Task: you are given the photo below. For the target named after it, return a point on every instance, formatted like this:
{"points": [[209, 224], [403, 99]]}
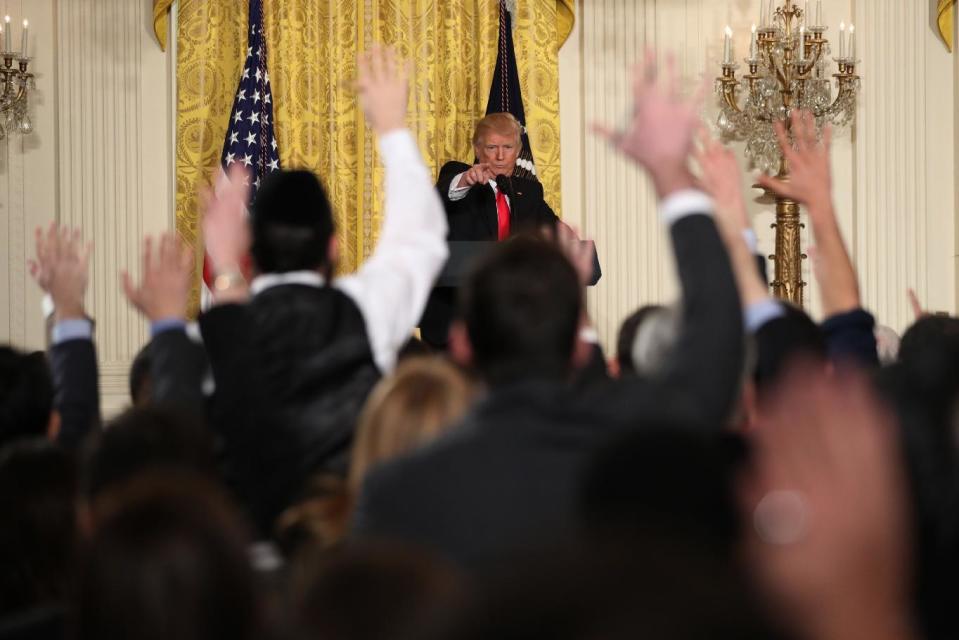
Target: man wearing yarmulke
{"points": [[294, 352]]}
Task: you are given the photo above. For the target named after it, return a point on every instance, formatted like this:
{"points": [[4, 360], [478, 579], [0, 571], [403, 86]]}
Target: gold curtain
{"points": [[312, 54], [945, 12]]}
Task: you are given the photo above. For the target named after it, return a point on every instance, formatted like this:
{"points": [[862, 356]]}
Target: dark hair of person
{"points": [[521, 305], [142, 439], [627, 337], [26, 395], [292, 222], [923, 387], [673, 481], [929, 334], [371, 591], [781, 340], [140, 378], [38, 526], [655, 589], [167, 560]]}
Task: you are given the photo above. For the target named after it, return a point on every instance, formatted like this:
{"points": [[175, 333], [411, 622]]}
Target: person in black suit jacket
{"points": [[471, 194], [508, 478]]}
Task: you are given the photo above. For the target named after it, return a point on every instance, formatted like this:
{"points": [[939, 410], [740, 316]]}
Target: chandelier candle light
{"points": [[788, 69], [15, 82]]}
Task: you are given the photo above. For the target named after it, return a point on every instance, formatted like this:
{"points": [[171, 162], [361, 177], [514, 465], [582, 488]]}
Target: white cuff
{"points": [[457, 193], [749, 237], [685, 203], [759, 313]]}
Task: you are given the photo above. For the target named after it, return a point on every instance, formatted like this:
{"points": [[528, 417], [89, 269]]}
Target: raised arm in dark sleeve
{"points": [[73, 364], [177, 368], [226, 331], [850, 337], [708, 357]]}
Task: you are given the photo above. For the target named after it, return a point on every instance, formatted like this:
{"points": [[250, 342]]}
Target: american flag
{"points": [[504, 93], [250, 139]]}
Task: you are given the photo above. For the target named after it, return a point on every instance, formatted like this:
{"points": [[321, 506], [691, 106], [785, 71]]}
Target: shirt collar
{"points": [[269, 280]]}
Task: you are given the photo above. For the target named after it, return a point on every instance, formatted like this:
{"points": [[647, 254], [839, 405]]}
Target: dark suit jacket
{"points": [[474, 217], [73, 365], [292, 369], [177, 367], [509, 476]]}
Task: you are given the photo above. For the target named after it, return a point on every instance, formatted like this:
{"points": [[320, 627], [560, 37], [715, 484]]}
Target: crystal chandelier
{"points": [[15, 83], [788, 69]]}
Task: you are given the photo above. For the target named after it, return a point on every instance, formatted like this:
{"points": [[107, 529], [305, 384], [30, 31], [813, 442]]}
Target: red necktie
{"points": [[502, 215]]}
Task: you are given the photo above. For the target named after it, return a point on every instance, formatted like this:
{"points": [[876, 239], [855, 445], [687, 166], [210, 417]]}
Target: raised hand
{"points": [[166, 275], [720, 177], [917, 311], [477, 174], [61, 269], [226, 230], [810, 183], [828, 502], [660, 135], [580, 254], [810, 176], [382, 82]]}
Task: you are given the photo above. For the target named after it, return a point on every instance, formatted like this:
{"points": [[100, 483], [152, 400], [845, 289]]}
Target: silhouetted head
{"points": [[26, 396], [167, 560], [144, 439], [368, 592], [521, 309], [38, 525], [292, 224]]}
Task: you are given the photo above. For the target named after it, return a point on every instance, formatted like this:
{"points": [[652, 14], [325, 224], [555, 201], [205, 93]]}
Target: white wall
{"points": [[895, 173], [101, 159]]}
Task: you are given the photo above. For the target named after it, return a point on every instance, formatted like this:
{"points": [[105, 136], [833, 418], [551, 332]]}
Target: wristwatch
{"points": [[228, 279]]}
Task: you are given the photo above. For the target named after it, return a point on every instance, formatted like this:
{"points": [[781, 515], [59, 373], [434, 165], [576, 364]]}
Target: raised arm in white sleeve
{"points": [[392, 286]]}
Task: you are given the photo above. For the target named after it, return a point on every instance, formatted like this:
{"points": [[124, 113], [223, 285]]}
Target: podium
{"points": [[435, 323], [463, 254]]}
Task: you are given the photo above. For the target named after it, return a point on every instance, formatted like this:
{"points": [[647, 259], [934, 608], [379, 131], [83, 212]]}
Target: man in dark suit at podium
{"points": [[485, 202]]}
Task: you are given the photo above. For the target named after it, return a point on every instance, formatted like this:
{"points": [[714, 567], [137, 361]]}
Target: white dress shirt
{"points": [[392, 286]]}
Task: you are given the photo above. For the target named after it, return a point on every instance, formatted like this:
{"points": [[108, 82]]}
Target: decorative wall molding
{"points": [[904, 162], [114, 159]]}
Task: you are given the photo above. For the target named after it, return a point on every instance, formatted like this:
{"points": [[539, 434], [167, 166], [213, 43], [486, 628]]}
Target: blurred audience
{"points": [[752, 473], [373, 592], [421, 400], [508, 476], [167, 560], [38, 538]]}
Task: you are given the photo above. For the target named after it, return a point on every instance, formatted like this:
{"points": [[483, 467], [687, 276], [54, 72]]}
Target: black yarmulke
{"points": [[293, 198]]}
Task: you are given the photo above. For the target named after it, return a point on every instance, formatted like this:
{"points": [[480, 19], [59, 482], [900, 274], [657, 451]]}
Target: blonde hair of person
{"points": [[504, 124], [406, 410]]}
